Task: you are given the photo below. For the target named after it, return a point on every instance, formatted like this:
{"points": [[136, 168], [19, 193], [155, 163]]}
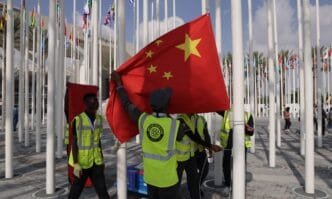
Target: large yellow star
{"points": [[168, 75], [149, 54], [189, 47], [152, 69], [158, 42]]}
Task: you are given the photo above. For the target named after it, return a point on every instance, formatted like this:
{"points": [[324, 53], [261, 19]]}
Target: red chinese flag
{"points": [[184, 59]]}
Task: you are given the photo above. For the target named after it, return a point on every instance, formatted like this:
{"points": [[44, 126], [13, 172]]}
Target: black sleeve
{"points": [[251, 124], [131, 109], [73, 127], [182, 131], [194, 136], [207, 137]]}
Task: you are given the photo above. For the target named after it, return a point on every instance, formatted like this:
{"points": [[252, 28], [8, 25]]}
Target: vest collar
{"points": [[159, 114]]}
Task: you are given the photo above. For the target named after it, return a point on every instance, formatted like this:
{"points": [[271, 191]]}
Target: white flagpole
{"points": [[33, 84], [38, 88], [137, 25], [276, 50], [251, 71], [238, 108], [293, 90], [60, 84], [301, 65], [115, 43], [50, 100], [153, 35], [174, 13], [3, 86], [158, 17], [271, 85], [76, 67], [121, 153], [218, 156], [95, 33], [21, 76], [319, 80], [166, 15], [26, 101], [145, 22], [309, 155], [9, 91], [100, 66]]}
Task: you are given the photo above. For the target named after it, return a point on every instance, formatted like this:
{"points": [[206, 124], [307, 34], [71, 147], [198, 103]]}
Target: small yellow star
{"points": [[152, 69], [168, 75], [158, 42], [189, 47], [149, 54]]}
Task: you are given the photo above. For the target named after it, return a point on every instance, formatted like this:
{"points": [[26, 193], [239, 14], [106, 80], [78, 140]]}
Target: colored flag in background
{"points": [[33, 19], [185, 59], [108, 18]]}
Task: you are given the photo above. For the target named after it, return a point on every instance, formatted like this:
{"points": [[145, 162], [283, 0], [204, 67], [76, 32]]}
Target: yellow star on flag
{"points": [[158, 42], [168, 75], [152, 69], [149, 54], [189, 47]]}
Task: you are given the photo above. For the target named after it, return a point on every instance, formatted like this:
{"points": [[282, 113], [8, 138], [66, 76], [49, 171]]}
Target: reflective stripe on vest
{"points": [[88, 139], [226, 128], [158, 147], [200, 125], [67, 134]]}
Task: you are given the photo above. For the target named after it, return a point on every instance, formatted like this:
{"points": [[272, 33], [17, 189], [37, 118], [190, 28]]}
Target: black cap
{"points": [[159, 99]]}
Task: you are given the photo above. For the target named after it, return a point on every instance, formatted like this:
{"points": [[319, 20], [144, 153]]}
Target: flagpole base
{"points": [[300, 191], [57, 193]]}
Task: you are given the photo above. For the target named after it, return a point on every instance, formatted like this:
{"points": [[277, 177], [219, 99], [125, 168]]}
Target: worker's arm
{"points": [[249, 127], [74, 143], [131, 109], [207, 137], [194, 136]]}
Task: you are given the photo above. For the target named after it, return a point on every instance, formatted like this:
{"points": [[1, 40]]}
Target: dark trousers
{"points": [[172, 192], [287, 123], [201, 159], [190, 166], [227, 166], [96, 174]]}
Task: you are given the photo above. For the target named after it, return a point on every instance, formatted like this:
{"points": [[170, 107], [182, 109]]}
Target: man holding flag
{"points": [[173, 74]]}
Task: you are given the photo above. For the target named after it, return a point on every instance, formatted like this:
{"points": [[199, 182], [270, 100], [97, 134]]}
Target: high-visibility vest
{"points": [[200, 124], [158, 136], [88, 139], [184, 147], [67, 134], [226, 128]]}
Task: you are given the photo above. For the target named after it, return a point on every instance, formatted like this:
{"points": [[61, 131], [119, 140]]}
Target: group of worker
{"points": [[169, 146]]}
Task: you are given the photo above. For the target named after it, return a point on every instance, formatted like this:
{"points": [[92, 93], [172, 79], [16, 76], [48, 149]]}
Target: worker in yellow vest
{"points": [[226, 139], [86, 155], [159, 133], [186, 154]]}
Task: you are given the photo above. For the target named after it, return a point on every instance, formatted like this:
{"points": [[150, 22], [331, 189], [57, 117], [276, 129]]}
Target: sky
{"points": [[187, 10]]}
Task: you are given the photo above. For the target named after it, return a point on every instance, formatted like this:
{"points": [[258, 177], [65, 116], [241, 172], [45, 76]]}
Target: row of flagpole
{"points": [[56, 48]]}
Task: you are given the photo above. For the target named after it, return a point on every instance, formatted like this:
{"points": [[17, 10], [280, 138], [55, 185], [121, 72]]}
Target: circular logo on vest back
{"points": [[155, 132]]}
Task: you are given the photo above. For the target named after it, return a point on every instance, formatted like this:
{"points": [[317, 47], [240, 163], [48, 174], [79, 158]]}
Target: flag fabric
{"points": [[132, 3], [108, 18], [87, 7], [292, 61], [33, 19], [186, 60], [85, 23]]}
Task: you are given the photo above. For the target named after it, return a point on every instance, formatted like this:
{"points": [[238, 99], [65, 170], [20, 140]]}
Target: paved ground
{"points": [[264, 182]]}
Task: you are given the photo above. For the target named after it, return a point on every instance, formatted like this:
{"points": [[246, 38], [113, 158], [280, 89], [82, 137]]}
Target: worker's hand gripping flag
{"points": [[184, 59]]}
